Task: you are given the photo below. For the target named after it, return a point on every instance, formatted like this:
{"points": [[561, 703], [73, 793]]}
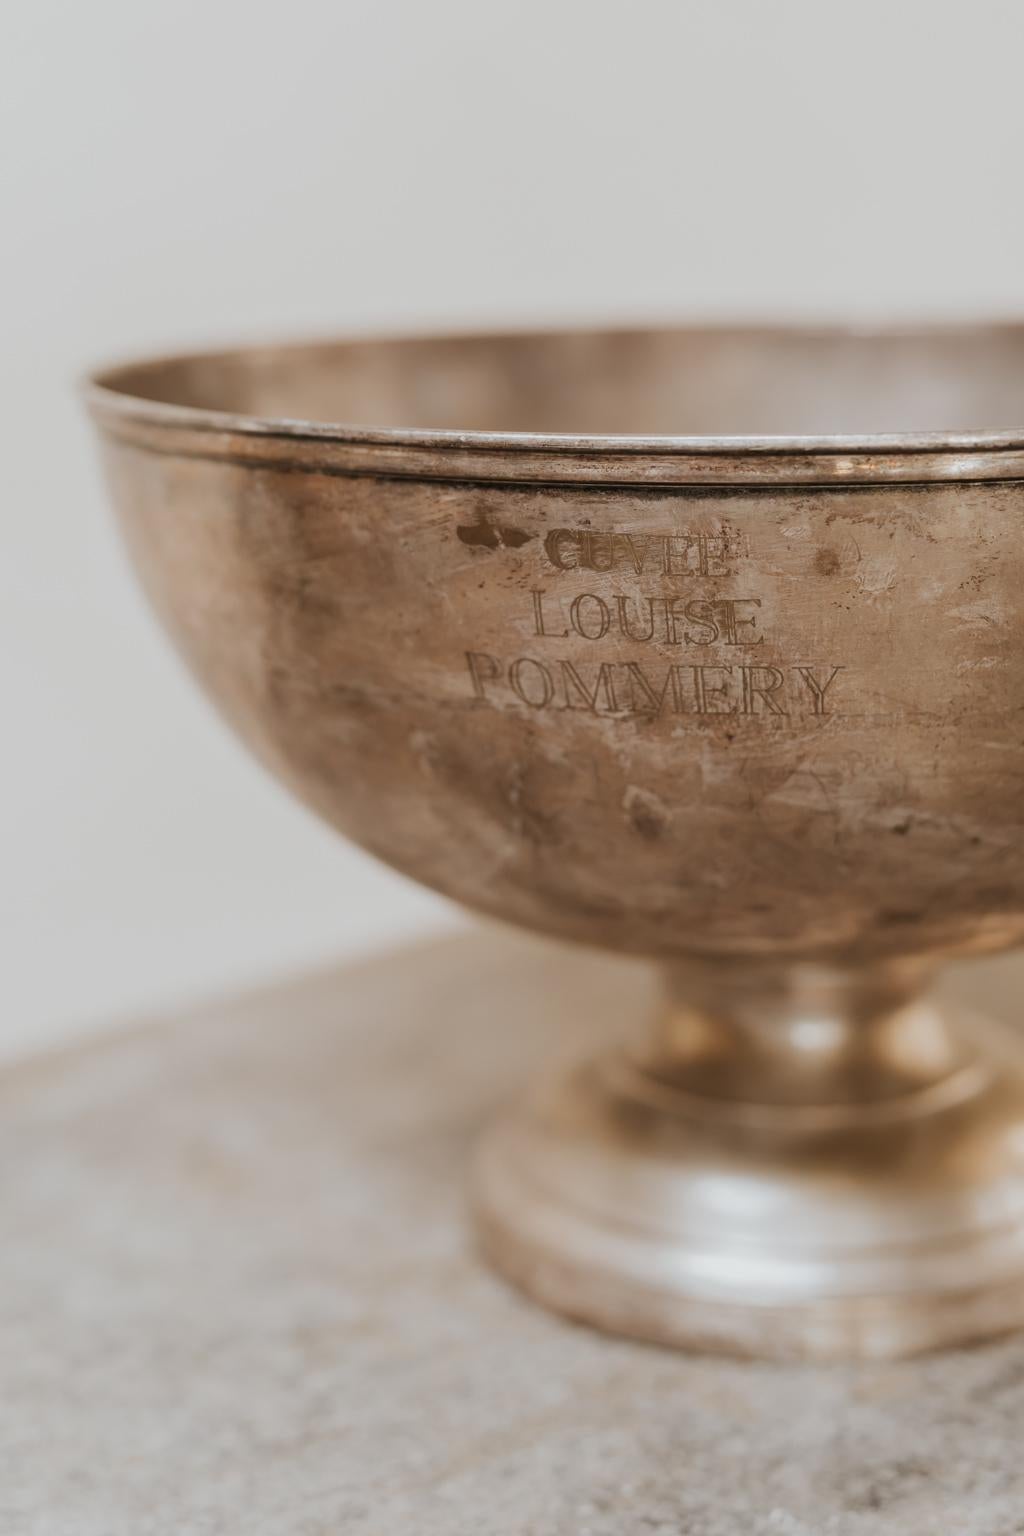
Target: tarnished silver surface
{"points": [[738, 699]]}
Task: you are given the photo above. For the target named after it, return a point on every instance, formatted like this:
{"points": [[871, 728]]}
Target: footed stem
{"points": [[800, 1033]]}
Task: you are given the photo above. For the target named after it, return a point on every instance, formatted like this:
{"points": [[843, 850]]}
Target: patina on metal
{"points": [[541, 629]]}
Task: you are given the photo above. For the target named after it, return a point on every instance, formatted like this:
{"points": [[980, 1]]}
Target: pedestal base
{"points": [[867, 1226]]}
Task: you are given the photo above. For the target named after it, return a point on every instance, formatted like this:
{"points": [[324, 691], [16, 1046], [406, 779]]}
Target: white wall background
{"points": [[180, 173]]}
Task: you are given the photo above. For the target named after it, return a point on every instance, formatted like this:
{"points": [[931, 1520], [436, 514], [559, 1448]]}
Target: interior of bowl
{"points": [[684, 382]]}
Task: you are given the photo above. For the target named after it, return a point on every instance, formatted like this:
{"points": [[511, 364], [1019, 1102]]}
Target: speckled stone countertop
{"points": [[237, 1295]]}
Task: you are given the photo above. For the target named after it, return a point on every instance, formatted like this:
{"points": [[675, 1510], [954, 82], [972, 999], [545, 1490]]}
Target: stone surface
{"points": [[238, 1295]]}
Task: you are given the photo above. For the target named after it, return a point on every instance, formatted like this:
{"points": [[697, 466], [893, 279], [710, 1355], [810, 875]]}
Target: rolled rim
{"points": [[192, 431]]}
